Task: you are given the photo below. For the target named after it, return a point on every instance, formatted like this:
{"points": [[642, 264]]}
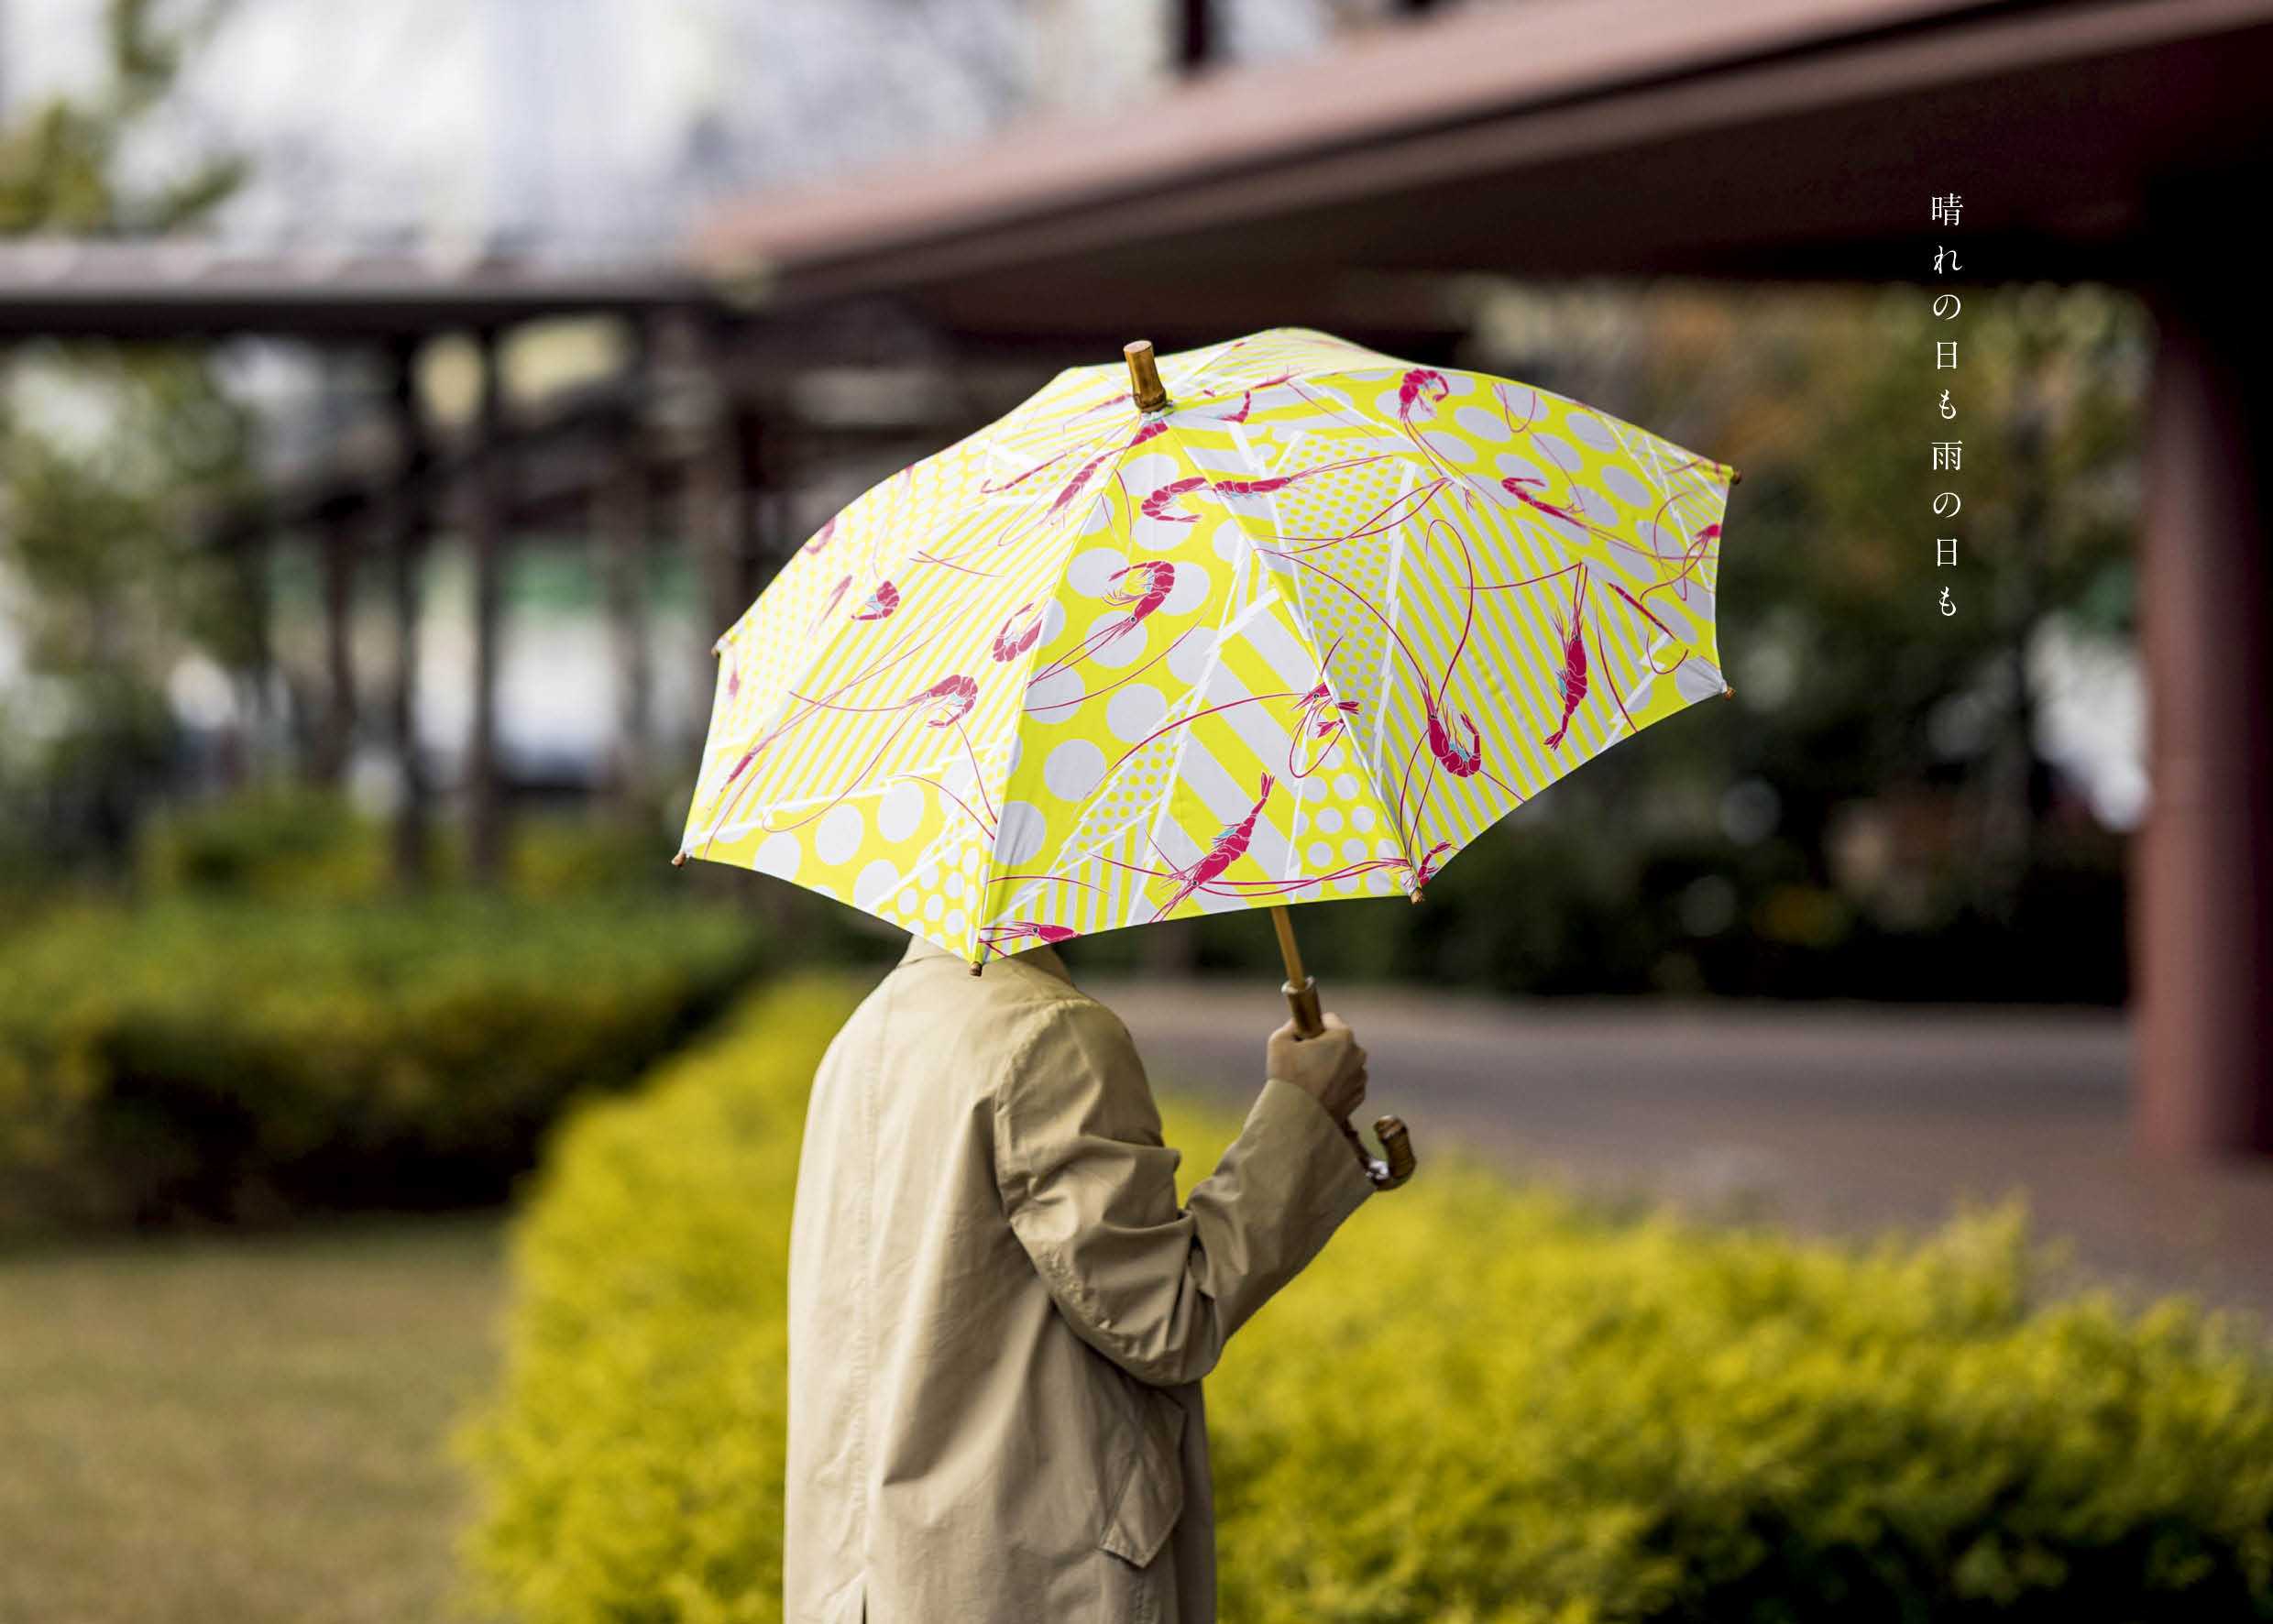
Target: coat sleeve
{"points": [[1091, 1194]]}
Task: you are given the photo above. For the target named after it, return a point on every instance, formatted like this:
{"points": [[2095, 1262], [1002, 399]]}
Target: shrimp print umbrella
{"points": [[1297, 627]]}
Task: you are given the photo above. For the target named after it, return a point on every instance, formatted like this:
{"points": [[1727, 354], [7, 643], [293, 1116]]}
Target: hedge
{"points": [[297, 845], [240, 1059], [1484, 1403]]}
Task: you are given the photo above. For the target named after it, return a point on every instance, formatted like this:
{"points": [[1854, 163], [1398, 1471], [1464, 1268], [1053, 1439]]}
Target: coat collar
{"points": [[1041, 956]]}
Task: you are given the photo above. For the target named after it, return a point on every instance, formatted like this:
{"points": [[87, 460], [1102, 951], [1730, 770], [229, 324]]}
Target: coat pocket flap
{"points": [[1153, 1498]]}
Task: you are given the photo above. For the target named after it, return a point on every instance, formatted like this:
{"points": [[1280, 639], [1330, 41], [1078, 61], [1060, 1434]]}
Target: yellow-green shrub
{"points": [[1482, 1404], [285, 844], [240, 1059], [632, 1461], [296, 845]]}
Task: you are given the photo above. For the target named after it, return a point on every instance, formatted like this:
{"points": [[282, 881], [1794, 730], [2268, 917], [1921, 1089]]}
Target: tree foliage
{"points": [[105, 449], [1872, 815]]}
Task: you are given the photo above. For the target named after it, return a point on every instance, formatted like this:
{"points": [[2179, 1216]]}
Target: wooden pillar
{"points": [[716, 512], [620, 522], [336, 743], [1192, 42], [404, 516], [2202, 914], [485, 811]]}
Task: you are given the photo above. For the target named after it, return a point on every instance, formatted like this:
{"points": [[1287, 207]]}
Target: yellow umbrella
{"points": [[1298, 625]]}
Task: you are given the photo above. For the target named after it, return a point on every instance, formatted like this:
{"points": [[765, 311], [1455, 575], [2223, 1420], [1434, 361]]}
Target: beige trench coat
{"points": [[999, 1315]]}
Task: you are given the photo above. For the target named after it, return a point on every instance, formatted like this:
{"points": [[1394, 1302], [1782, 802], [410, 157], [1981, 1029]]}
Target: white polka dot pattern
{"points": [[1302, 635]]}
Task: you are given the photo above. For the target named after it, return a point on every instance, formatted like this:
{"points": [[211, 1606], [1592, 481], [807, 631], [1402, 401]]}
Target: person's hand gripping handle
{"points": [[1318, 1054]]}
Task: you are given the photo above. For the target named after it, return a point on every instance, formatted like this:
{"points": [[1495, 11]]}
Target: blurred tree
{"points": [[1879, 776], [60, 167], [1871, 816], [101, 447]]}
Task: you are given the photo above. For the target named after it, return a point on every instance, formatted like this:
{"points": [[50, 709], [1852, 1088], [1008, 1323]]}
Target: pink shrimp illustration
{"points": [[1144, 587], [742, 763], [823, 536], [1644, 608], [1079, 482], [1141, 589], [828, 605], [1229, 846], [1573, 636], [880, 603], [998, 938], [943, 704], [1157, 504], [1514, 486], [951, 698], [1246, 397], [1460, 761], [1426, 870], [1276, 482], [1322, 713], [1018, 632], [1419, 392]]}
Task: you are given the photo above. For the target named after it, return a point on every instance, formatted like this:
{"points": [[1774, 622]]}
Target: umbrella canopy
{"points": [[1301, 632]]}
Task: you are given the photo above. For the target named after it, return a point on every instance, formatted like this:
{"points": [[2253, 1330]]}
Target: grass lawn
{"points": [[241, 1431]]}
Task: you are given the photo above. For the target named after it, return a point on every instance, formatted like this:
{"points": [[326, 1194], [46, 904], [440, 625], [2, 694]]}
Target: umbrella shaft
{"points": [[1288, 950], [1301, 991]]}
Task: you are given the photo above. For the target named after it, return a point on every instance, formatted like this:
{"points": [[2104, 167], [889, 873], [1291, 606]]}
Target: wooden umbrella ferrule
{"points": [[1145, 387]]}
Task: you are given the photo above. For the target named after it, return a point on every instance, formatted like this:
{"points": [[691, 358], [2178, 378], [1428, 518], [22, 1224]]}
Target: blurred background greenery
{"points": [[236, 1048], [1894, 805]]}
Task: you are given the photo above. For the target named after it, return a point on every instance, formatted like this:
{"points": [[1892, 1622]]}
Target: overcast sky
{"points": [[595, 125]]}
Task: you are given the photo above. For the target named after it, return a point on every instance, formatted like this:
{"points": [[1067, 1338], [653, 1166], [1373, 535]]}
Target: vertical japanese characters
{"points": [[1948, 456]]}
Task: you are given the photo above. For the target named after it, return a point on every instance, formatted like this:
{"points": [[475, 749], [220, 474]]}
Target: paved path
{"points": [[1843, 1117]]}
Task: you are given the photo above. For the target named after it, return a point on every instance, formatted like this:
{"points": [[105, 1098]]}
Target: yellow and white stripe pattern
{"points": [[1302, 634]]}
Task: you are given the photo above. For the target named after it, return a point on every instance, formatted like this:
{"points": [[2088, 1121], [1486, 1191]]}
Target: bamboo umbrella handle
{"points": [[1397, 1161]]}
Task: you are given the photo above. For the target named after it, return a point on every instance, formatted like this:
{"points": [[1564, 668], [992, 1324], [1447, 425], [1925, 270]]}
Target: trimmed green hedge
{"points": [[1482, 1404], [244, 1059], [294, 845]]}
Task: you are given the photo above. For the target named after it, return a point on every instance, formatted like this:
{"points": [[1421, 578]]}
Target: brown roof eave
{"points": [[1429, 73], [1509, 91]]}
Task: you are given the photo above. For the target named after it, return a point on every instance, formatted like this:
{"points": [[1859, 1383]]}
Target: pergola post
{"points": [[335, 744], [485, 812], [715, 513], [2201, 913], [402, 511], [620, 520]]}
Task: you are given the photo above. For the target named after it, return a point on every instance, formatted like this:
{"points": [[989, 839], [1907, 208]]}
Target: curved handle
{"points": [[1398, 1160]]}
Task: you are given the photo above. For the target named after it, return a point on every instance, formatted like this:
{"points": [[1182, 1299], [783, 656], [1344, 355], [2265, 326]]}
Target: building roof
{"points": [[1774, 137], [187, 288], [1555, 137]]}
